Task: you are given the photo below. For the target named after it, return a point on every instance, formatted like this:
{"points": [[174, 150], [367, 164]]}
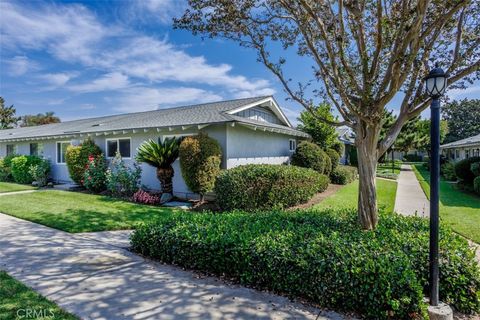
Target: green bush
{"points": [[6, 168], [263, 186], [448, 171], [21, 168], [338, 146], [121, 180], [476, 185], [334, 158], [344, 174], [475, 168], [309, 155], [76, 158], [413, 158], [462, 169], [95, 174], [353, 157], [323, 257], [40, 172], [200, 159]]}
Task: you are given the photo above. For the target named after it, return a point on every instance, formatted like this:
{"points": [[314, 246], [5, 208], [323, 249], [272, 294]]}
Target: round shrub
{"points": [[309, 155], [264, 186], [343, 175], [40, 172], [338, 146], [21, 168], [476, 185], [200, 160], [334, 157], [76, 158], [448, 171], [321, 256], [463, 171], [475, 168]]}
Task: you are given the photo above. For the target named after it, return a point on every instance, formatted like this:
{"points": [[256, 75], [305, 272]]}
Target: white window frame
{"points": [[290, 141], [118, 146], [61, 150]]}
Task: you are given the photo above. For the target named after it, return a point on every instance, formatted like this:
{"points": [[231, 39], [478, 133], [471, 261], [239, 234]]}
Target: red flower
{"points": [[90, 158]]}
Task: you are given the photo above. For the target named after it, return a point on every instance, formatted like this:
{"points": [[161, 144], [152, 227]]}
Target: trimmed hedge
{"points": [[448, 171], [334, 158], [20, 166], [265, 186], [309, 155], [463, 171], [323, 257], [343, 175]]}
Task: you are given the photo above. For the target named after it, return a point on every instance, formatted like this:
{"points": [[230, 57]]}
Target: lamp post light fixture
{"points": [[436, 83], [393, 159]]}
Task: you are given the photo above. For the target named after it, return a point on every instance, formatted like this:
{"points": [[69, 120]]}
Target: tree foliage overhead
{"points": [[361, 53], [31, 120], [8, 119], [463, 119], [323, 134]]}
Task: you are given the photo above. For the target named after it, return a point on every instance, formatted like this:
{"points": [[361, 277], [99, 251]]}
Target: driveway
{"points": [[95, 279]]}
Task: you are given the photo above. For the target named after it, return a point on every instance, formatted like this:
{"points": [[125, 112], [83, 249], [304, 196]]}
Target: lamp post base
{"points": [[440, 312]]}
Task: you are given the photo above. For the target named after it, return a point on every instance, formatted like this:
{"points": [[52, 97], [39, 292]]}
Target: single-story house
{"points": [[462, 149], [251, 130]]}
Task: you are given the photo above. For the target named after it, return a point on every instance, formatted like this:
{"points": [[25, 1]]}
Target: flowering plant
{"points": [[123, 180], [94, 176], [142, 196]]}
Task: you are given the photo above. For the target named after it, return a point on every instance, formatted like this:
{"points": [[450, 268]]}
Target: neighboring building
{"points": [[252, 130], [347, 137], [462, 149]]}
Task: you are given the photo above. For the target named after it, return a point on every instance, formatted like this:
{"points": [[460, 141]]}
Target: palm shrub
{"points": [[77, 158], [160, 155], [200, 159]]}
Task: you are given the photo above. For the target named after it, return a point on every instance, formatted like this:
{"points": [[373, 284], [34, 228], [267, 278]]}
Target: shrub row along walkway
{"points": [[98, 280], [410, 199]]}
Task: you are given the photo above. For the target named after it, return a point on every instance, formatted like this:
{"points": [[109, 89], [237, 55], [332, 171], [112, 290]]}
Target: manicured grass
{"points": [[17, 301], [11, 187], [79, 212], [347, 196], [387, 167], [458, 209]]}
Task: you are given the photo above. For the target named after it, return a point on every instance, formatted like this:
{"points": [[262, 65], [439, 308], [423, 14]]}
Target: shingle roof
{"points": [[475, 140], [207, 113]]}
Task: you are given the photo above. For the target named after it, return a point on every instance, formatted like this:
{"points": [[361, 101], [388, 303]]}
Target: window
{"points": [[11, 149], [457, 154], [477, 152], [467, 154], [61, 150], [121, 145], [293, 145], [36, 149]]}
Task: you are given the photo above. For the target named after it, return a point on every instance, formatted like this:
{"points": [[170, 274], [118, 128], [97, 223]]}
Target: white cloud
{"points": [[110, 81], [459, 94], [56, 80], [87, 106], [19, 65], [161, 11], [144, 99]]}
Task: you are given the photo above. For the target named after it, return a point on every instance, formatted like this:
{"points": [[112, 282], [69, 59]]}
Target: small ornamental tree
{"points": [[77, 158], [94, 176], [362, 55], [200, 159]]}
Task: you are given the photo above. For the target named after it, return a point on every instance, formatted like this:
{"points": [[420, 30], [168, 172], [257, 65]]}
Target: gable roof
{"points": [[470, 141], [345, 135], [198, 114]]}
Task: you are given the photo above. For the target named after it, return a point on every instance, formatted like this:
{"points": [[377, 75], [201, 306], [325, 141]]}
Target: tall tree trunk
{"points": [[366, 141], [165, 176]]}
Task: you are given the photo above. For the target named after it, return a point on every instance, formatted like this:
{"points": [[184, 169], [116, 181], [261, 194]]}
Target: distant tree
{"points": [[31, 120], [463, 119], [8, 118], [422, 141], [323, 134]]}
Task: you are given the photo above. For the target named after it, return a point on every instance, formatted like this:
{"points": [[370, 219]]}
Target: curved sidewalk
{"points": [[97, 280], [410, 199]]}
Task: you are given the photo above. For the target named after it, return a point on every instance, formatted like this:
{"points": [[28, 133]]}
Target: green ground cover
{"points": [[11, 187]]}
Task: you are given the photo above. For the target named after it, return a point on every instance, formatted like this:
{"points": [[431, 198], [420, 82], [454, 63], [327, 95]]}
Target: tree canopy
{"points": [[31, 120], [323, 134], [463, 119], [362, 54], [8, 118]]}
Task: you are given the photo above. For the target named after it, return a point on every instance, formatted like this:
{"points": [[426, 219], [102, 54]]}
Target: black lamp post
{"points": [[393, 159], [436, 83]]}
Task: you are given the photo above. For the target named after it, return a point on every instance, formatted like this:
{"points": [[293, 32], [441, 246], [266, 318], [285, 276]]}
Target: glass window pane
{"points": [[59, 152], [34, 149], [111, 148], [124, 147], [10, 149]]}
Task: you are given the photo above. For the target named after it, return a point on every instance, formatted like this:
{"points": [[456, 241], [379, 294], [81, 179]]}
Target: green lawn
{"points": [[458, 209], [16, 300], [79, 212], [347, 196], [11, 187], [387, 167]]}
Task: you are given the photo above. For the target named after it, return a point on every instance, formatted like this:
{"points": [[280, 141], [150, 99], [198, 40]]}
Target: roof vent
{"points": [[72, 131], [97, 124]]}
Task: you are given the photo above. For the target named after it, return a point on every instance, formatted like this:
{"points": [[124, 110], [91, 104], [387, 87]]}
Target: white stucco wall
{"points": [[245, 146]]}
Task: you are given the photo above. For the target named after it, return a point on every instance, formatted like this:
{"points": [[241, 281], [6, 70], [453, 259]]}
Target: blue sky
{"points": [[91, 58]]}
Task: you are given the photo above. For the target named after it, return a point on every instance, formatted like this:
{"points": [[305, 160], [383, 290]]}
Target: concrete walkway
{"points": [[97, 280], [410, 199], [16, 192]]}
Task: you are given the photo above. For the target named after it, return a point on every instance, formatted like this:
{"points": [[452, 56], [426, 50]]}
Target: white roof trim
{"points": [[272, 105]]}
